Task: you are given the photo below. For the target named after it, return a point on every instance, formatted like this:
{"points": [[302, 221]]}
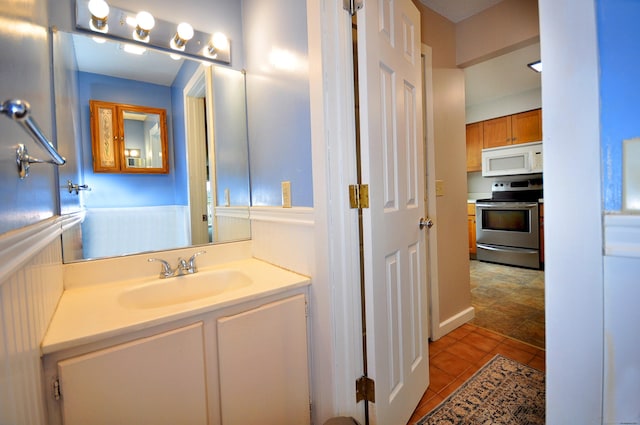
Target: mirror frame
{"points": [[118, 164]]}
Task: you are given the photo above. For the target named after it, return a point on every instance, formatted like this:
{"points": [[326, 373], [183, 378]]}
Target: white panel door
{"points": [[156, 380], [394, 245]]}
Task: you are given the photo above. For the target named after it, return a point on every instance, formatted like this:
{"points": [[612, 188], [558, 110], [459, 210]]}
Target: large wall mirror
{"points": [[204, 195]]}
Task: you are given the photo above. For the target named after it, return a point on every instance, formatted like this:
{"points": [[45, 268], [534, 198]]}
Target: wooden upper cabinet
{"points": [[474, 146], [497, 132], [128, 138], [526, 127]]}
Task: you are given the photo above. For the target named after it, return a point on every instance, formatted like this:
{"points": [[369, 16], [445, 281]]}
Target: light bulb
{"points": [[144, 24], [184, 34], [185, 31], [99, 10], [145, 21], [220, 41]]}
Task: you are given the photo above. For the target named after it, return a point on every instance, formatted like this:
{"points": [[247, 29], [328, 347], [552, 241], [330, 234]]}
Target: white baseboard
{"points": [[453, 323]]}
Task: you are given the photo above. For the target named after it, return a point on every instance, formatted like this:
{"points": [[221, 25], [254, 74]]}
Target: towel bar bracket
{"points": [[24, 161], [19, 111]]}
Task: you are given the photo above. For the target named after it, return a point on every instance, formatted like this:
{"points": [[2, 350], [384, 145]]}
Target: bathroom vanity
{"points": [[233, 357]]}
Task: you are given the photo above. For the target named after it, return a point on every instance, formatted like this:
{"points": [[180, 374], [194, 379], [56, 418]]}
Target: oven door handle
{"points": [[501, 249], [503, 205]]}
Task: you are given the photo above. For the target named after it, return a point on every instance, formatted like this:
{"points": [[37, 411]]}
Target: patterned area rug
{"points": [[502, 392]]}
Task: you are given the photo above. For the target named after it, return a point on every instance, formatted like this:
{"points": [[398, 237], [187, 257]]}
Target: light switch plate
{"points": [[227, 198], [439, 187], [286, 194]]}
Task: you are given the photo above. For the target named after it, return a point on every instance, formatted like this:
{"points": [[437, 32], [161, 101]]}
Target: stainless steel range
{"points": [[507, 225]]}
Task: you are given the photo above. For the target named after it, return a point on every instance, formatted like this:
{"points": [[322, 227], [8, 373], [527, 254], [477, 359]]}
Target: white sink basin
{"points": [[182, 289]]}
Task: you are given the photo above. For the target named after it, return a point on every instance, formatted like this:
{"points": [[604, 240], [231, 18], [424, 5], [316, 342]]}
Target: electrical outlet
{"points": [[286, 194], [227, 198], [439, 187]]}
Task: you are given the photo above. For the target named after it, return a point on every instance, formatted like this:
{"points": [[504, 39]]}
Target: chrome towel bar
{"points": [[19, 111]]}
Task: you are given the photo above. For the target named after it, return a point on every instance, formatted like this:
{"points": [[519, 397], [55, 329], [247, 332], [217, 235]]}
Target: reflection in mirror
{"points": [[128, 138], [204, 196]]}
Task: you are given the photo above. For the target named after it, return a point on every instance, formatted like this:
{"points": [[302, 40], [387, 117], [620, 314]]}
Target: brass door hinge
{"points": [[365, 389], [359, 195]]}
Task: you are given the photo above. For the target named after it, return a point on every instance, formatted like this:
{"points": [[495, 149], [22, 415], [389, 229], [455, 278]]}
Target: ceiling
{"points": [[498, 77], [458, 10], [502, 76], [109, 58]]}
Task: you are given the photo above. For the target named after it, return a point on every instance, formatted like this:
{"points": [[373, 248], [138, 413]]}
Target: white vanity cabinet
{"points": [[155, 380], [263, 365], [243, 364]]}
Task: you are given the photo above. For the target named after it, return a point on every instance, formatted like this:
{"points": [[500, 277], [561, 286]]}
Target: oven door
{"points": [[511, 224]]}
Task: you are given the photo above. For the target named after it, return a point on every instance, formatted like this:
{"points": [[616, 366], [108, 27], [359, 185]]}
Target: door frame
{"points": [[199, 86], [430, 188], [335, 295]]}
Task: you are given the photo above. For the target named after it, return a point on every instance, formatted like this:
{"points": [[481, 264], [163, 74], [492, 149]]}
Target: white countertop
{"points": [[91, 313]]}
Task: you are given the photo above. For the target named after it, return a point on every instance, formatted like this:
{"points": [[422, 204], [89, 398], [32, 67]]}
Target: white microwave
{"points": [[512, 160]]}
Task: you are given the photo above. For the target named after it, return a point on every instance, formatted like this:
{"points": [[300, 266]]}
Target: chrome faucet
{"points": [[184, 266]]}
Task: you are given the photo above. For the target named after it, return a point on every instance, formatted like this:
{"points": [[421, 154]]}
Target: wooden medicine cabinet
{"points": [[128, 138]]}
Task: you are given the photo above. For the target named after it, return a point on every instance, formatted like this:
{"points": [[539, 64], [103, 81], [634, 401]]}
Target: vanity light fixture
{"points": [[536, 66], [144, 25], [144, 30], [183, 35], [99, 10]]}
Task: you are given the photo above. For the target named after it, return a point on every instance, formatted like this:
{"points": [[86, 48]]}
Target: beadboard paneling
{"points": [[284, 237], [28, 298], [108, 232]]}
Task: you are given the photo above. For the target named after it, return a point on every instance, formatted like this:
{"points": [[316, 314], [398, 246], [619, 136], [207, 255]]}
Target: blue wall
{"points": [[278, 106], [618, 44], [125, 190]]}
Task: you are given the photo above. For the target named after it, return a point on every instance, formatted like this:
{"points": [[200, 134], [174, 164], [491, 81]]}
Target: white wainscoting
{"points": [[232, 223], [621, 318], [108, 232], [284, 237], [30, 288]]}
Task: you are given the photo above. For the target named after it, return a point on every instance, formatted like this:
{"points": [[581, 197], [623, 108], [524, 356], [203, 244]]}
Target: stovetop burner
{"points": [[516, 191]]}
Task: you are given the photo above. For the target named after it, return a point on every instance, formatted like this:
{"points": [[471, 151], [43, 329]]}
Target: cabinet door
{"points": [[471, 224], [497, 132], [262, 356], [474, 146], [155, 380], [527, 126], [105, 137]]}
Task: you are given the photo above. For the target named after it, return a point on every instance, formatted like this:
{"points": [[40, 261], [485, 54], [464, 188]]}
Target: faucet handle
{"points": [[192, 261], [166, 267]]}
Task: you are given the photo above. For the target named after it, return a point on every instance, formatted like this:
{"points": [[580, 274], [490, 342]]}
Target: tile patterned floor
{"points": [[459, 354], [509, 300]]}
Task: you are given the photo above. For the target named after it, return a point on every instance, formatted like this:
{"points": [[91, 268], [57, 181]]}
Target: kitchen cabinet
{"points": [[526, 127], [474, 146], [513, 129], [205, 369], [471, 222], [523, 127]]}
